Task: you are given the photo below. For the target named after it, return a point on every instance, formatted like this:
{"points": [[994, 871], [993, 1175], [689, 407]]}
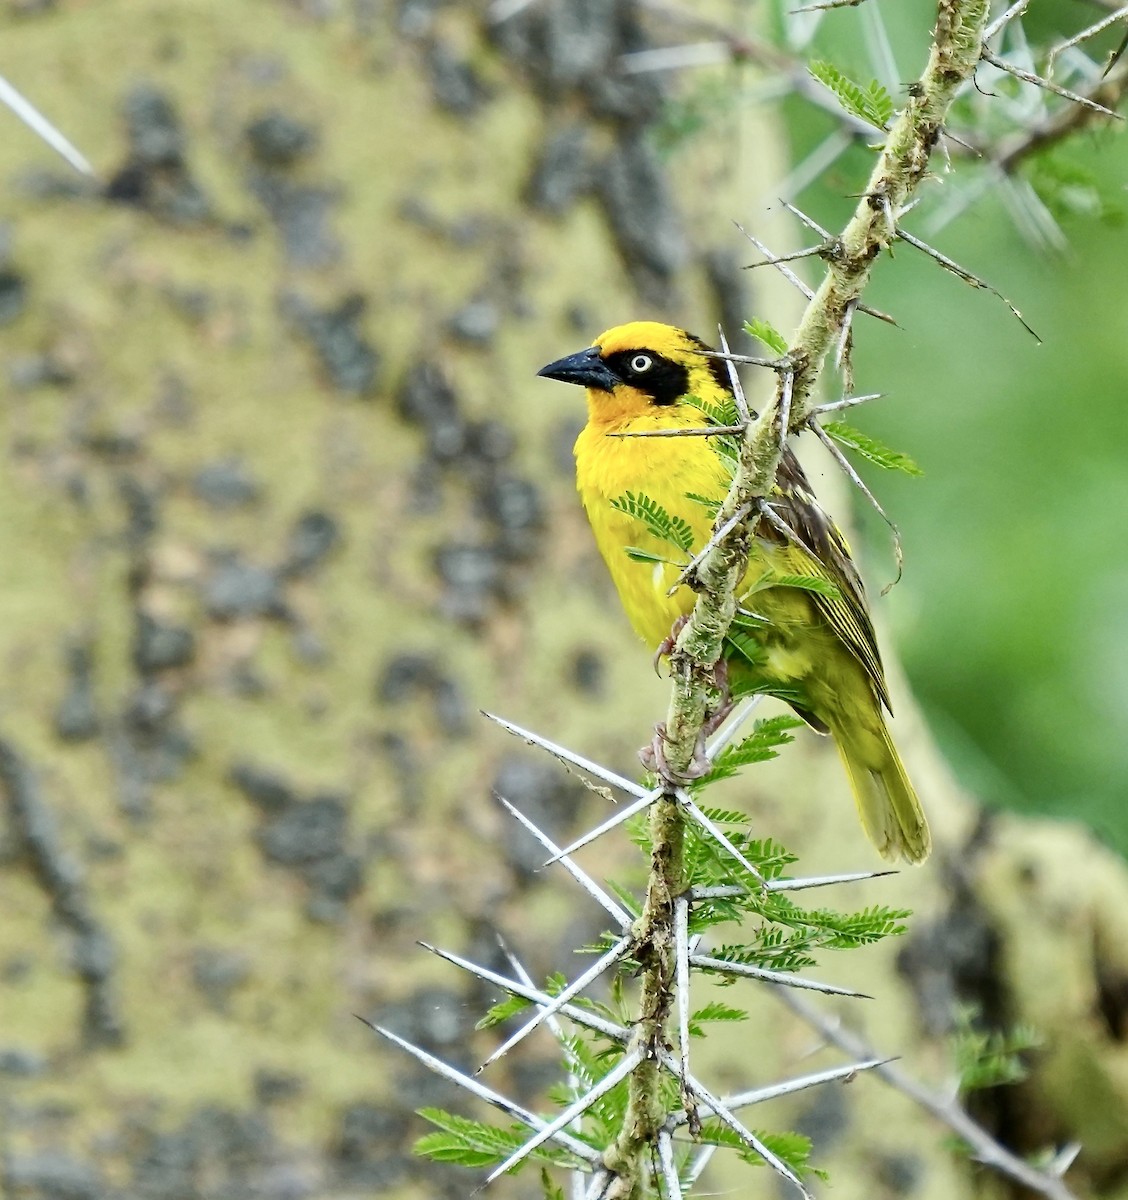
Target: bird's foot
{"points": [[654, 759], [725, 703], [666, 646]]}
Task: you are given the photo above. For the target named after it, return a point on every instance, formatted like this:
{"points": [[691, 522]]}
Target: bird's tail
{"points": [[891, 813]]}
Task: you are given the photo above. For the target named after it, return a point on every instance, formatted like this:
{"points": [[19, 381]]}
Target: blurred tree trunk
{"points": [[284, 506]]}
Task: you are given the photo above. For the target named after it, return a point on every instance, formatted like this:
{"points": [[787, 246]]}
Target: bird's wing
{"points": [[822, 551]]}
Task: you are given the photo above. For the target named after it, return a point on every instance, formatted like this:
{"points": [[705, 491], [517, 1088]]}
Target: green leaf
{"points": [[475, 1144], [808, 583], [445, 1147], [725, 816], [775, 949], [871, 103], [551, 1191], [745, 644], [659, 523], [725, 446], [769, 856], [719, 1012], [990, 1058], [793, 1148], [503, 1010], [871, 449], [845, 931], [588, 1059], [710, 505], [626, 898], [762, 744], [722, 413], [768, 334], [818, 584], [644, 556]]}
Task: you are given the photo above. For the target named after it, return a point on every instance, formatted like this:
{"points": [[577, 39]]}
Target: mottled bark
{"points": [[283, 506]]}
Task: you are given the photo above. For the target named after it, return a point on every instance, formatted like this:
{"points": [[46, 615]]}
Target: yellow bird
{"points": [[802, 632]]}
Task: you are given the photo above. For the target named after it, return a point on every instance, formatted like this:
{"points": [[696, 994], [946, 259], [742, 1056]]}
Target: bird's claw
{"points": [[666, 646], [654, 759]]}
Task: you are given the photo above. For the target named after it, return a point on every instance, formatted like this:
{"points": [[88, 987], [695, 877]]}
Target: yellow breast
{"points": [[666, 470]]}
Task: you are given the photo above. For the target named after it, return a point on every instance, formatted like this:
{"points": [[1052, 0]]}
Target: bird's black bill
{"points": [[585, 368]]}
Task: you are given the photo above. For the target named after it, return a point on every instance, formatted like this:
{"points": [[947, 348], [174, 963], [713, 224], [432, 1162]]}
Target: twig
{"points": [[774, 260], [669, 1168], [790, 1086], [567, 1048], [556, 1128], [723, 891], [599, 1185], [951, 265], [1005, 18], [738, 396], [749, 360], [842, 355], [715, 746], [787, 1087], [718, 835], [618, 951], [810, 222], [783, 529], [827, 5], [901, 165], [831, 248], [786, 389], [1048, 85], [723, 967], [847, 467], [778, 263], [1118, 14], [624, 814], [727, 1117], [618, 913], [986, 1149], [581, 1016], [714, 541], [743, 47], [681, 954], [566, 756], [509, 1107], [1061, 125], [846, 402], [704, 431]]}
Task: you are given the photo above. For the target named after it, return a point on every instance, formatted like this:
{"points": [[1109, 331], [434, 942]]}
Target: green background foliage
{"points": [[1011, 615]]}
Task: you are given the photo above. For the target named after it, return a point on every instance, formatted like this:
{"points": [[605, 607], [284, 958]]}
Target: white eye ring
{"points": [[641, 363]]}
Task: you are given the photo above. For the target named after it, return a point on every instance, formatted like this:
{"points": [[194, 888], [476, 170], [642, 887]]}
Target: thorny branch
{"points": [[949, 1111], [659, 940], [1108, 93], [901, 166], [1100, 97]]}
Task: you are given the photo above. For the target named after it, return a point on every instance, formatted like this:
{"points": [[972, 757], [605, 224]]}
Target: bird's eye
{"points": [[641, 363]]}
